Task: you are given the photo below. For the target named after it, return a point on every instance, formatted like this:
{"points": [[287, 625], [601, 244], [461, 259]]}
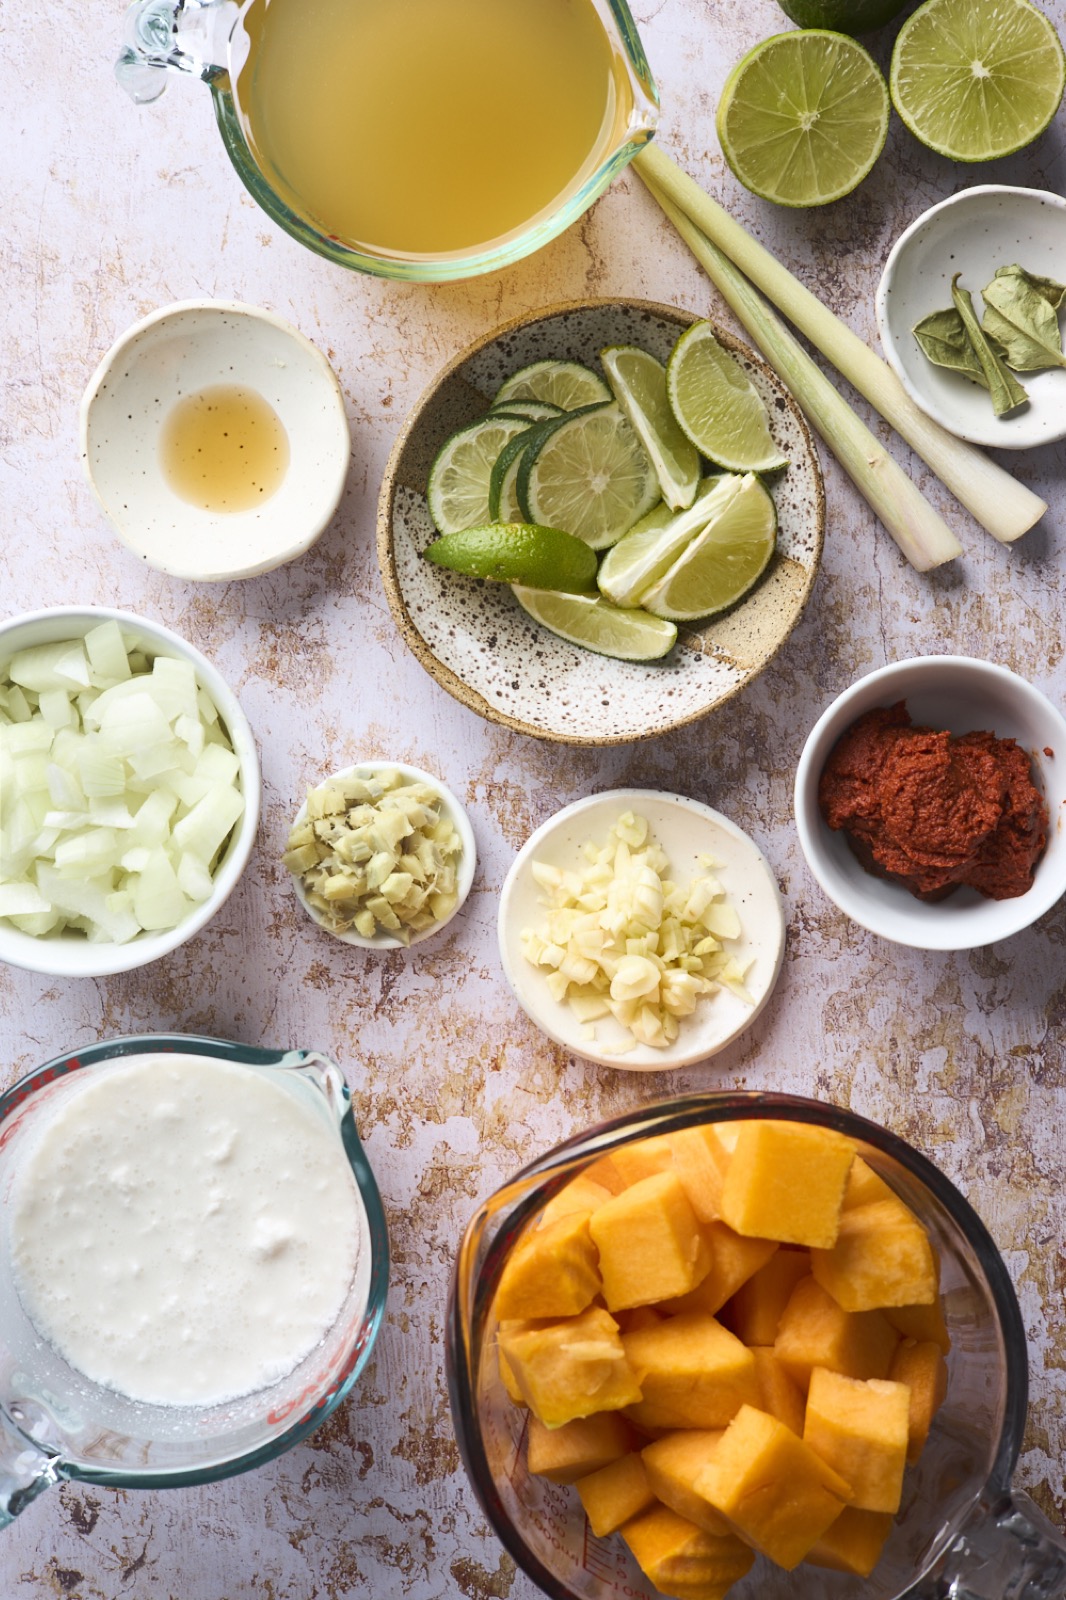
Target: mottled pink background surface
{"points": [[111, 211]]}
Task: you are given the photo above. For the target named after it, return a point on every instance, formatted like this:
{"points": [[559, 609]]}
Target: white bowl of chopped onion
{"points": [[131, 791], [641, 930], [382, 855]]}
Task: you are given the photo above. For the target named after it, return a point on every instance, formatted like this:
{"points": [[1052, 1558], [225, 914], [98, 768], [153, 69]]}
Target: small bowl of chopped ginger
{"points": [[641, 930], [382, 855]]}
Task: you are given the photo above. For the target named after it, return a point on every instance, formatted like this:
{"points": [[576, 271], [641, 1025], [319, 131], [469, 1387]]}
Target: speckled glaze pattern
{"points": [[474, 638]]}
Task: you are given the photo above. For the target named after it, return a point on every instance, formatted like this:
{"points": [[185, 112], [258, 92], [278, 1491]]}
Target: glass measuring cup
{"points": [[207, 38], [963, 1532], [55, 1423]]}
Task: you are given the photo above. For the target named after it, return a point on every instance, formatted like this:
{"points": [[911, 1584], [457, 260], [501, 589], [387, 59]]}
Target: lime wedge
{"points": [[803, 116], [721, 563], [595, 625], [650, 549], [559, 383], [717, 405], [516, 552], [535, 410], [639, 384], [459, 479], [590, 476], [975, 81]]}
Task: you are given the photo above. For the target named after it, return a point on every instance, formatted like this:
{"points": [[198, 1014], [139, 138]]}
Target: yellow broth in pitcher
{"points": [[428, 128]]}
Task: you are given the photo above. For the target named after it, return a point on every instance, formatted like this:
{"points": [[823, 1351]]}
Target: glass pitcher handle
{"points": [[1011, 1553], [174, 35], [25, 1470]]}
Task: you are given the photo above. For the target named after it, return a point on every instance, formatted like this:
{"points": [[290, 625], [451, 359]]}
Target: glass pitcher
{"points": [[963, 1532], [422, 141], [55, 1423]]}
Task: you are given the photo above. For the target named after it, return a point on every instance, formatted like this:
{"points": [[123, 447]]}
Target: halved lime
{"points": [[845, 16], [515, 552], [650, 549], [803, 116], [717, 405], [721, 563], [639, 384], [591, 476], [458, 489], [977, 79], [595, 625], [559, 383]]}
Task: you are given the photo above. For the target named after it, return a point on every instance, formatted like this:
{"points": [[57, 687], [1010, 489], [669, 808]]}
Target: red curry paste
{"points": [[933, 811]]}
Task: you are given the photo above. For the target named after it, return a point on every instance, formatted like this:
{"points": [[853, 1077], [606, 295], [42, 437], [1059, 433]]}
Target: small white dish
{"points": [[960, 695], [72, 955], [974, 233], [685, 830], [178, 351], [467, 865]]}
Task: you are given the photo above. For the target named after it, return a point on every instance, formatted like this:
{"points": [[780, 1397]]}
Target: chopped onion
{"points": [[118, 789]]}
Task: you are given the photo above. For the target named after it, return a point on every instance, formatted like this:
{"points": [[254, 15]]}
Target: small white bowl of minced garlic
{"points": [[382, 855]]}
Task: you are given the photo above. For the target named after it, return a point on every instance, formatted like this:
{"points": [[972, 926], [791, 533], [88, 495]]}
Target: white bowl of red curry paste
{"points": [[931, 803]]}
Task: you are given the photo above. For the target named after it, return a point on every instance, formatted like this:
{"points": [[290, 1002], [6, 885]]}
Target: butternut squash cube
{"points": [[925, 1372], [577, 1448], [693, 1372], [615, 1494], [570, 1368], [649, 1243], [786, 1182], [683, 1560], [815, 1332], [882, 1257], [772, 1488], [778, 1395], [853, 1543], [552, 1272], [864, 1186], [582, 1194], [861, 1429], [673, 1464], [605, 1173], [507, 1377], [921, 1323], [642, 1159], [700, 1161], [757, 1305], [733, 1261]]}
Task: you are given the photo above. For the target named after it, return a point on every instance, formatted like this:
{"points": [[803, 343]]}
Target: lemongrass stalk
{"points": [[919, 530], [1002, 505]]}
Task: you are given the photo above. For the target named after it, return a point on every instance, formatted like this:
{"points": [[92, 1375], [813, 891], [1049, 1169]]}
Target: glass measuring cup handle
{"points": [[174, 35], [1008, 1551], [26, 1470]]}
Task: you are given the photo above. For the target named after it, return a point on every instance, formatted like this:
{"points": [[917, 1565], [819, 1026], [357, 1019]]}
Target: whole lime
{"points": [[844, 16]]}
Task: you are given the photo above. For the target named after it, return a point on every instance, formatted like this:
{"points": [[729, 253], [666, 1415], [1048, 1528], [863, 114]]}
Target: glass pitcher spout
{"points": [[174, 35]]}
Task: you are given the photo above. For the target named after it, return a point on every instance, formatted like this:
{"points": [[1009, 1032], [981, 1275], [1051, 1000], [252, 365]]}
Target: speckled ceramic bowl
{"points": [[473, 638]]}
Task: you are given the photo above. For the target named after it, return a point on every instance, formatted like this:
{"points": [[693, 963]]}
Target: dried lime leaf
{"points": [[1021, 318], [1007, 393], [944, 340]]}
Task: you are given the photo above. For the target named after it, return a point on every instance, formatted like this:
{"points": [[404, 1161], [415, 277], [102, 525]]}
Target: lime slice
{"points": [[846, 16], [559, 383], [977, 81], [650, 549], [592, 623], [590, 476], [717, 405], [723, 562], [803, 117], [516, 552], [458, 490], [535, 410], [639, 384]]}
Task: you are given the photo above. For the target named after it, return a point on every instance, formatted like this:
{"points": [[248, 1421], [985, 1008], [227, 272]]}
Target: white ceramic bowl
{"points": [[178, 351], [467, 865], [70, 955], [685, 830], [960, 695], [974, 233]]}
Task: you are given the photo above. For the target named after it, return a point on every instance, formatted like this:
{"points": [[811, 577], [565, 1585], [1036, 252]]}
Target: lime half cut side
{"points": [[718, 406], [595, 625], [639, 384], [558, 383], [803, 117], [459, 479], [543, 558], [977, 79], [591, 476], [722, 562]]}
